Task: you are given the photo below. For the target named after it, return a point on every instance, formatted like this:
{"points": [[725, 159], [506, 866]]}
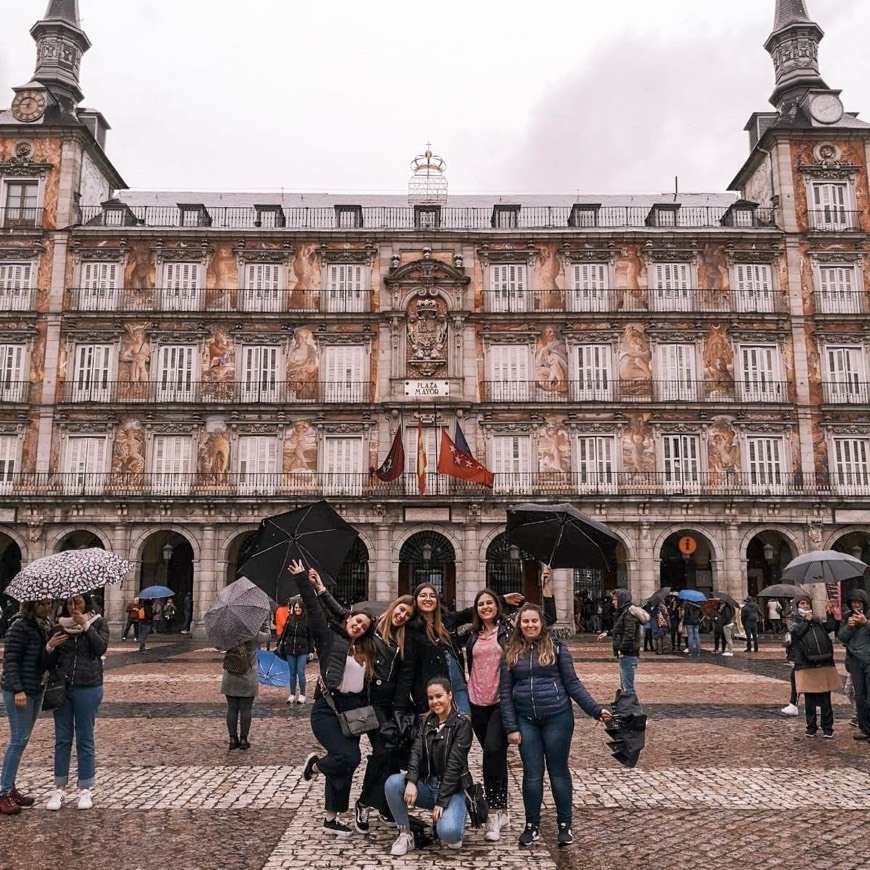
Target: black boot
{"points": [[243, 743], [234, 742]]}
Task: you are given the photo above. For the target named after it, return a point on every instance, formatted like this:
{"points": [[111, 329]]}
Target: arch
{"points": [[766, 550], [509, 569], [854, 540], [352, 581], [235, 553], [58, 538], [167, 558], [15, 538], [687, 571], [407, 534], [10, 565], [428, 556], [137, 545], [78, 539]]}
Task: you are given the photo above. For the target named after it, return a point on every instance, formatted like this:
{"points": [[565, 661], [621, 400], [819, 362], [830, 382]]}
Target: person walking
{"points": [[725, 621], [294, 645], [854, 633], [240, 687], [25, 659], [675, 622], [692, 625], [169, 613], [437, 774], [774, 615], [80, 659], [146, 622], [132, 611], [750, 613], [538, 683], [187, 612], [346, 658], [628, 621]]}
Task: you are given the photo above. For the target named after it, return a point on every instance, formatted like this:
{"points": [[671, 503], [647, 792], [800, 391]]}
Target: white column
{"points": [[206, 582], [647, 580], [563, 592], [115, 598]]}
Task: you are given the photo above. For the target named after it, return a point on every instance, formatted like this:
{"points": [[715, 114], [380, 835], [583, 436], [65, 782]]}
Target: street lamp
{"points": [[769, 553], [514, 552], [167, 551], [857, 551], [427, 552]]}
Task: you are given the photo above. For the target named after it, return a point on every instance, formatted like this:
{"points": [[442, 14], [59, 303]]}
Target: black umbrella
{"points": [[657, 597], [724, 596], [823, 566], [314, 534], [375, 608], [560, 536], [781, 590], [627, 732]]}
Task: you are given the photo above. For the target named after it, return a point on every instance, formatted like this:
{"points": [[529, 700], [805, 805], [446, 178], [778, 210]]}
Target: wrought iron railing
{"points": [[406, 218], [14, 391], [834, 220], [846, 392], [840, 301], [18, 218], [17, 298]]}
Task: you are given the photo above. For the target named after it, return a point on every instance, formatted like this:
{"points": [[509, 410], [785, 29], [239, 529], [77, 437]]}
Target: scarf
{"points": [[70, 626]]}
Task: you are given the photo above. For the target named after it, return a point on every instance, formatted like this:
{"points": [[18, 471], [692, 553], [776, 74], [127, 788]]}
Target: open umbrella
{"points": [[272, 671], [724, 596], [781, 590], [375, 608], [155, 592], [560, 536], [692, 595], [237, 614], [316, 534], [657, 597], [70, 572], [823, 566]]}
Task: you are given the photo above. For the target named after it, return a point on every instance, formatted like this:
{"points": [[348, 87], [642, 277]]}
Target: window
{"points": [[671, 290], [260, 374], [346, 287], [346, 373], [269, 216], [760, 374], [844, 376], [13, 386], [344, 469], [93, 373], [678, 376], [764, 457], [852, 465], [509, 377], [15, 287], [175, 375], [348, 217], [680, 461], [505, 217], [435, 483], [182, 285], [584, 215], [427, 217], [590, 285], [99, 286], [258, 464], [754, 288], [594, 377], [511, 463], [172, 464], [194, 215], [596, 469], [21, 200], [85, 464], [263, 285], [508, 282], [8, 461], [831, 207], [838, 293]]}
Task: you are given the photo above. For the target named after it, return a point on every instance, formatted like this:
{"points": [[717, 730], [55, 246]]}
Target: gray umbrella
{"points": [[237, 614], [70, 572], [823, 566]]}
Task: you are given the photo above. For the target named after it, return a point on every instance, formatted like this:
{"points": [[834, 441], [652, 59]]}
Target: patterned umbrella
{"points": [[68, 573], [237, 614]]}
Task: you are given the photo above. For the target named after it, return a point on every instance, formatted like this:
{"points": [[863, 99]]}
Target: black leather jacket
{"points": [[455, 776]]}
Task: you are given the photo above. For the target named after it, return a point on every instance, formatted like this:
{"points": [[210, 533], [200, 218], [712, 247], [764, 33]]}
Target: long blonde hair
{"points": [[385, 630], [518, 646]]}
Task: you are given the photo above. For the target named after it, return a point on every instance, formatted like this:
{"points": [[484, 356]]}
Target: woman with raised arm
{"points": [[346, 658]]}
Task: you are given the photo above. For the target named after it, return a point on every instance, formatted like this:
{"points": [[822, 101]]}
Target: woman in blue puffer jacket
{"points": [[538, 683]]}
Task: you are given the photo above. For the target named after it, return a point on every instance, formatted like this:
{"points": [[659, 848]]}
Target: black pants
{"points": [[342, 753], [486, 722], [793, 697], [860, 672], [134, 623], [718, 638], [381, 764], [647, 641], [823, 700], [751, 635], [239, 712]]}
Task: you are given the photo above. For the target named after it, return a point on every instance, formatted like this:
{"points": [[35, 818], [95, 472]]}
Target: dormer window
{"points": [[118, 214], [584, 215], [269, 216], [427, 217], [194, 215], [663, 215], [348, 217], [505, 217], [740, 214]]}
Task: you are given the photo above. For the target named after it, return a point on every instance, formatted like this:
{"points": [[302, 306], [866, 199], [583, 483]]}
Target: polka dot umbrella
{"points": [[68, 573]]}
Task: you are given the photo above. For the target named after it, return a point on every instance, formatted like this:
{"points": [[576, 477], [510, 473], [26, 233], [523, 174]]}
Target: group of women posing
{"points": [[519, 690]]}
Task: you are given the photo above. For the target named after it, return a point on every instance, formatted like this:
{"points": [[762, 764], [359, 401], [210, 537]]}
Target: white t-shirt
{"points": [[774, 609], [353, 680]]}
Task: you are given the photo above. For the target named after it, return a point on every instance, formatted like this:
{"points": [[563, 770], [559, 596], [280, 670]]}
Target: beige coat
{"points": [[816, 680]]}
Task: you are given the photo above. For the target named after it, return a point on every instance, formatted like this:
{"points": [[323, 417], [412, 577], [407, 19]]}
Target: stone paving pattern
{"points": [[725, 780]]}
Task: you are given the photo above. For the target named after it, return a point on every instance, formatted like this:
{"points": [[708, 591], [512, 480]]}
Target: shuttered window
{"points": [[344, 471], [590, 283], [764, 462], [680, 461], [852, 465], [15, 286], [345, 373], [508, 284], [831, 207], [509, 376], [512, 463], [258, 464], [172, 463], [8, 461], [754, 287], [13, 387], [182, 287], [99, 286], [260, 378], [838, 291], [677, 372], [345, 287], [672, 286], [596, 470], [594, 377], [85, 464], [844, 376], [175, 372], [93, 372], [760, 373], [263, 287], [435, 483]]}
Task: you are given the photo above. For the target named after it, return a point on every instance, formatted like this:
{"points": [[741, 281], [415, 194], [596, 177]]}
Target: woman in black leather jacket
{"points": [[437, 772]]}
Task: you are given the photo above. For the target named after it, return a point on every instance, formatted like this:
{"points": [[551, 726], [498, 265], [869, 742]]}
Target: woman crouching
{"points": [[437, 771]]}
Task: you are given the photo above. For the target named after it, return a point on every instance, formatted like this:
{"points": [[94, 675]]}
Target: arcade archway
{"points": [[428, 557]]}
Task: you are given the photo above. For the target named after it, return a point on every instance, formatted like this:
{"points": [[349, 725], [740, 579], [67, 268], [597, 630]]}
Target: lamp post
{"points": [[769, 555], [857, 551], [166, 552]]}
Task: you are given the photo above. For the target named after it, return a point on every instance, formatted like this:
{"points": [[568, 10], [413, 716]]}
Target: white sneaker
{"points": [[686, 650], [404, 844], [300, 699], [504, 820], [57, 799], [493, 827], [86, 802], [456, 845], [727, 654], [790, 710], [291, 699]]}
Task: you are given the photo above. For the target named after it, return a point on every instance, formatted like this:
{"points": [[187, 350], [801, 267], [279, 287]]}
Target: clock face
{"points": [[28, 105], [826, 109]]}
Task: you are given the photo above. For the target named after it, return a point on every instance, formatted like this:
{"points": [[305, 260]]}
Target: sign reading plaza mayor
{"points": [[422, 389]]}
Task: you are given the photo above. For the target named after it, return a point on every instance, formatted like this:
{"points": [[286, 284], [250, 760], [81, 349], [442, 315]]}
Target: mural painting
{"points": [[299, 461], [635, 361], [135, 359], [128, 456], [213, 459], [551, 362], [724, 452], [303, 365], [219, 368], [629, 274], [718, 362], [638, 446]]}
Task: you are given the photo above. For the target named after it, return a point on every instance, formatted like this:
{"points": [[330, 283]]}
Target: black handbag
{"points": [[356, 722], [55, 691], [478, 808]]}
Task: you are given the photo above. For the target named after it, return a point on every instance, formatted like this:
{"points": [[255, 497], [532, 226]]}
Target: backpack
{"points": [[236, 660], [816, 646]]}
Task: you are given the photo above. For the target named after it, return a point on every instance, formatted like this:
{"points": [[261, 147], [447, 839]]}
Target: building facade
{"points": [[692, 370]]}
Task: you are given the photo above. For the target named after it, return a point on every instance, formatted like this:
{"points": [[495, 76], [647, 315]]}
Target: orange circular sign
{"points": [[688, 545]]}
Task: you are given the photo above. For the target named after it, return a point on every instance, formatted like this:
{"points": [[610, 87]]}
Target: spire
{"points": [[60, 44], [794, 47]]}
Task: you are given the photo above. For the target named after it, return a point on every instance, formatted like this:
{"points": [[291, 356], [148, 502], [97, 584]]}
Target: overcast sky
{"points": [[517, 96]]}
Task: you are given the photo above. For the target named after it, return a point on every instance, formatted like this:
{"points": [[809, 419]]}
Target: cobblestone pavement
{"points": [[725, 781]]}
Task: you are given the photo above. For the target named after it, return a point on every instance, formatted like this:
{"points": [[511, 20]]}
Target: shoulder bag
{"points": [[356, 722], [54, 695], [475, 802]]}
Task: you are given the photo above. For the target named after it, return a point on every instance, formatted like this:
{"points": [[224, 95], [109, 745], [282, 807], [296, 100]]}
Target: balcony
{"points": [[363, 485], [226, 393], [840, 301], [834, 220], [17, 298], [846, 392], [406, 218], [18, 218], [613, 301], [159, 299], [14, 391], [604, 389]]}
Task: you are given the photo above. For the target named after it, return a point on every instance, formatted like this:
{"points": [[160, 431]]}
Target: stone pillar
{"points": [[471, 572], [384, 585], [563, 592], [115, 598], [646, 580], [734, 581], [206, 572]]}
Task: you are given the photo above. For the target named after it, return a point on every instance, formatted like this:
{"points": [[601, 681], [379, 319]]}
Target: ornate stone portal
{"points": [[427, 338]]}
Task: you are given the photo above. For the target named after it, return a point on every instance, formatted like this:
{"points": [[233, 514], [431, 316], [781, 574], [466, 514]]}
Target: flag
{"points": [[459, 463], [394, 464], [422, 460], [459, 440]]}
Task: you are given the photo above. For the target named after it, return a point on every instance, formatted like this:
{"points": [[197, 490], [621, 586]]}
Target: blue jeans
{"points": [[21, 722], [627, 667], [297, 672], [693, 639], [548, 738], [75, 718], [145, 626], [458, 684], [452, 822]]}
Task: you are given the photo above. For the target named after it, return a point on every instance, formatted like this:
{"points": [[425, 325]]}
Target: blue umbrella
{"points": [[155, 592], [691, 595], [272, 671]]}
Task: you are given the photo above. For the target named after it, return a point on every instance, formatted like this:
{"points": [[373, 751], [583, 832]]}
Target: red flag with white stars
{"points": [[456, 463]]}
